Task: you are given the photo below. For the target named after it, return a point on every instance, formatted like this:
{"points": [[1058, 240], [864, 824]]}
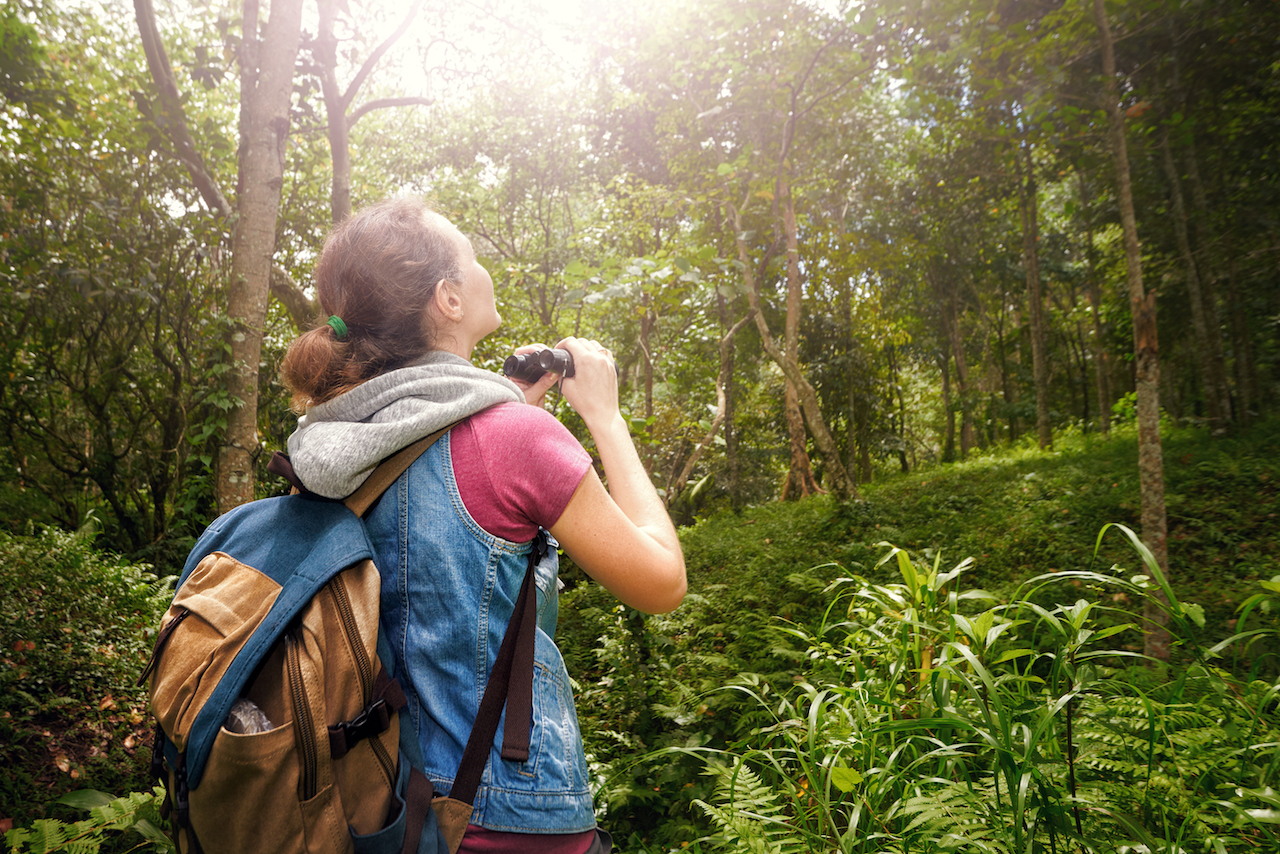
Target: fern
{"points": [[138, 812], [750, 815], [951, 816]]}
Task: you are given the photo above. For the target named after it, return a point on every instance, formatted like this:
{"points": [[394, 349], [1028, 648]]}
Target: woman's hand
{"points": [[593, 389], [535, 392]]}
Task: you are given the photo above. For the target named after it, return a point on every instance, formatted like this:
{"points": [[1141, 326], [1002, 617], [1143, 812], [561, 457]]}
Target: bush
{"points": [[76, 628]]}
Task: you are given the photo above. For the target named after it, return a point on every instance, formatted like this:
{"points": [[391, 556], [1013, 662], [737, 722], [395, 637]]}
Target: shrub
{"points": [[76, 627]]}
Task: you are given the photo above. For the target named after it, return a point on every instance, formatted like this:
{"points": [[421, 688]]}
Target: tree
{"points": [[266, 58], [107, 320], [339, 103], [1145, 347]]}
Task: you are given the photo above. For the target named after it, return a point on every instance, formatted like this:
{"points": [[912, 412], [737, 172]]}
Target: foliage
{"points": [[138, 812], [110, 316], [925, 725], [76, 627], [828, 682]]}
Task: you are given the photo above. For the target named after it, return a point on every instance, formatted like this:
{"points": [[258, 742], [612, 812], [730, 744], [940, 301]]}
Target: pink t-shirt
{"points": [[516, 468]]}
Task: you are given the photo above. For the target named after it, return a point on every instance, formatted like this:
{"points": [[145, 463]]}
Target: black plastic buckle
{"points": [[374, 720], [157, 756]]}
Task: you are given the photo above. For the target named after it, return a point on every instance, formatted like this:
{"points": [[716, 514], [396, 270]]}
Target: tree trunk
{"points": [[841, 485], [897, 403], [1241, 342], [1029, 208], [1146, 354], [1208, 355], [800, 481], [951, 325], [266, 87], [337, 103], [1246, 375], [265, 90], [729, 358], [1006, 382], [949, 444], [1101, 357], [722, 410], [335, 108], [646, 366]]}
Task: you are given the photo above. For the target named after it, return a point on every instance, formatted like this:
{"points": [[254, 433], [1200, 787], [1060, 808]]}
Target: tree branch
{"points": [[386, 103], [722, 406], [303, 311], [372, 61], [172, 119]]}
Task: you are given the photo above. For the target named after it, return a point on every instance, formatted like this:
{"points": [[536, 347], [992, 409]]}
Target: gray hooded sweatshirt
{"points": [[339, 443]]}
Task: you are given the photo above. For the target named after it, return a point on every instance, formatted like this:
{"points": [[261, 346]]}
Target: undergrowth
{"points": [[977, 686]]}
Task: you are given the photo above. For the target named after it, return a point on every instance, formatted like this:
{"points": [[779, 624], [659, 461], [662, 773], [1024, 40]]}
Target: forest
{"points": [[855, 259]]}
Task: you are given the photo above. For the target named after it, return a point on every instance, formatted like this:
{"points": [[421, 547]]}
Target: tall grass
{"points": [[934, 719]]}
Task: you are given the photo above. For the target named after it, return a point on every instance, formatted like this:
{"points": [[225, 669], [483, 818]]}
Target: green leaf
{"points": [[845, 779], [86, 799]]}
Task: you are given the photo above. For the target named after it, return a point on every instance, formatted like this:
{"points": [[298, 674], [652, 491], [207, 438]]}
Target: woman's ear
{"points": [[447, 301]]}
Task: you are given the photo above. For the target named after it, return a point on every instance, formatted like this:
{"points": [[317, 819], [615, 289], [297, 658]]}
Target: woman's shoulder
{"points": [[515, 416], [516, 468]]}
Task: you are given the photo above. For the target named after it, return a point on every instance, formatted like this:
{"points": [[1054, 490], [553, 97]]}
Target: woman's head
{"points": [[386, 272]]}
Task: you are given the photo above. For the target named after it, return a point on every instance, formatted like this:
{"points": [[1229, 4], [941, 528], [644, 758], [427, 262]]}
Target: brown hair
{"points": [[378, 271]]}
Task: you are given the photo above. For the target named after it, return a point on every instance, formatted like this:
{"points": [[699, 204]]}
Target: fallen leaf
{"points": [[6, 825], [63, 763], [108, 702], [130, 741]]}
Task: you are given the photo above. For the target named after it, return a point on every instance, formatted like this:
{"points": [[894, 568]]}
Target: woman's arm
{"points": [[622, 538]]}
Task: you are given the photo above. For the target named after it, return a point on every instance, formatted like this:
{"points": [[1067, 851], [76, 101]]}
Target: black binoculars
{"points": [[531, 366]]}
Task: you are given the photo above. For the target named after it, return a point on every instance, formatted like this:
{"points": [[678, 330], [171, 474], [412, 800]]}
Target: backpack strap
{"points": [[388, 471], [510, 684]]}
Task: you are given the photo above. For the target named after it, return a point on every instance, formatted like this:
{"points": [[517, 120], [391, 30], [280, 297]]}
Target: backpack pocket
{"points": [[212, 617], [248, 797], [390, 840]]}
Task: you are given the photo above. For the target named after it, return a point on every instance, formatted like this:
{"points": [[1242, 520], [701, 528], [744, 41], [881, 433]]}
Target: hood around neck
{"points": [[339, 443]]}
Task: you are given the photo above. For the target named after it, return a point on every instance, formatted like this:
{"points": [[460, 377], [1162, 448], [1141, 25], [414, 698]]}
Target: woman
{"points": [[409, 302]]}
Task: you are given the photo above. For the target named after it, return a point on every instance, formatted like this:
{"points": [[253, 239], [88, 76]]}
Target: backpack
{"points": [[277, 707]]}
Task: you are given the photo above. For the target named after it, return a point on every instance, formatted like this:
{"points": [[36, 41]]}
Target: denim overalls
{"points": [[448, 590]]}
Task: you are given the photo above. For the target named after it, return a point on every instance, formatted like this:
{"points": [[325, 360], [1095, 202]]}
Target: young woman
{"points": [[408, 303]]}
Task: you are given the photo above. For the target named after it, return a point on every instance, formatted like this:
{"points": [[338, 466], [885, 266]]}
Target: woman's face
{"points": [[479, 309]]}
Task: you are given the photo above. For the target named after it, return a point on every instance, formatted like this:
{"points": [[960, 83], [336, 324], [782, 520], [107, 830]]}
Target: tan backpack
{"points": [[278, 726]]}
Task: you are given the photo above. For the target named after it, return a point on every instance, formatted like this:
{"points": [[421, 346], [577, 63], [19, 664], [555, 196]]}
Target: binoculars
{"points": [[531, 366]]}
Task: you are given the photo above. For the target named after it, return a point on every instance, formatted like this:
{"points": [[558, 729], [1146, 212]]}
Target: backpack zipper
{"points": [[364, 667], [303, 719]]}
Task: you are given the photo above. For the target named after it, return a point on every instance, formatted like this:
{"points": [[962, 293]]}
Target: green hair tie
{"points": [[339, 328]]}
